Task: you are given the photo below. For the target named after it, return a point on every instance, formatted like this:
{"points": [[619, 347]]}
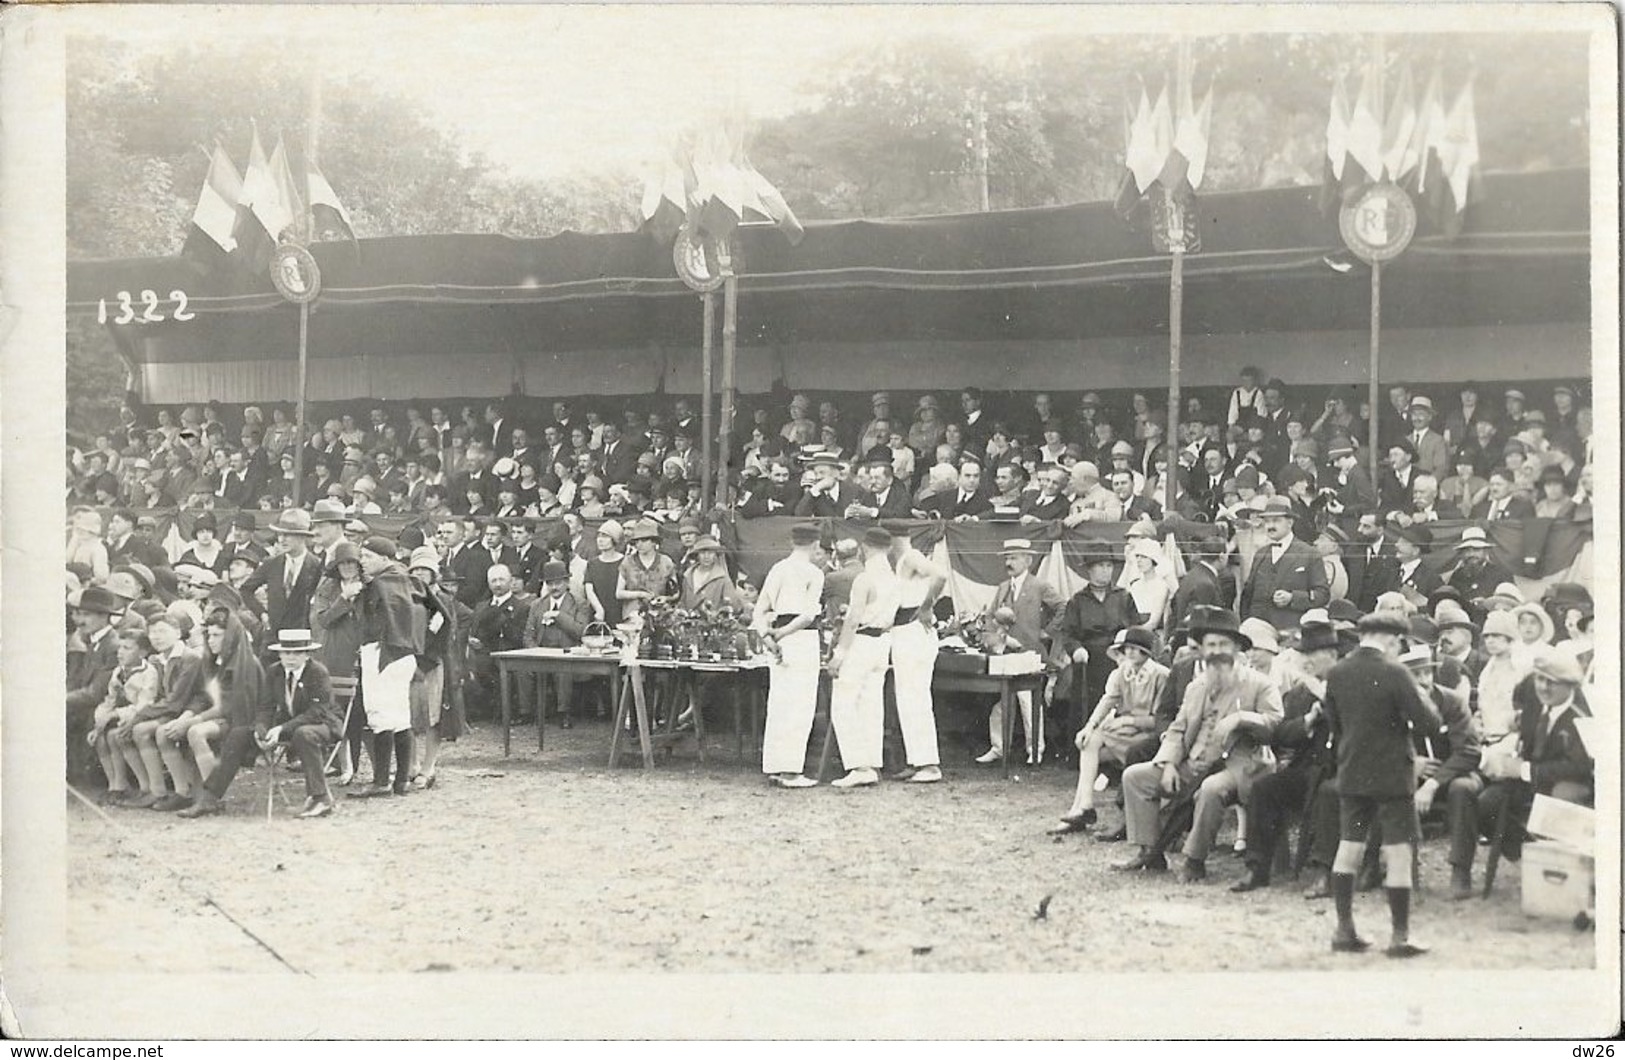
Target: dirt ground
{"points": [[553, 863]]}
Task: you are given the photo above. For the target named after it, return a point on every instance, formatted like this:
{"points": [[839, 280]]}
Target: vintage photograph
{"points": [[796, 490]]}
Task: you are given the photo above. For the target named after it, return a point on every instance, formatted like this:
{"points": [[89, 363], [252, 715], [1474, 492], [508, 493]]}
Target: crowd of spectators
{"points": [[1452, 454]]}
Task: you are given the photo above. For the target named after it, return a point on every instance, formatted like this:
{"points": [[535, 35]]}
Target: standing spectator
{"points": [[927, 431], [85, 543], [291, 578], [1287, 576], [1431, 449], [1460, 425], [1083, 634], [1247, 397]]}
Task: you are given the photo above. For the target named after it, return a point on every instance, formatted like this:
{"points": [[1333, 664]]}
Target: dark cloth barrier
{"points": [[1533, 548]]}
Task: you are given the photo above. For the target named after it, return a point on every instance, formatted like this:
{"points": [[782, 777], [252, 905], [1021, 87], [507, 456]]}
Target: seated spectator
{"points": [[1555, 501], [1546, 756], [1091, 502], [1122, 727], [133, 686], [1010, 489], [969, 499], [94, 611], [1049, 502], [1501, 500]]}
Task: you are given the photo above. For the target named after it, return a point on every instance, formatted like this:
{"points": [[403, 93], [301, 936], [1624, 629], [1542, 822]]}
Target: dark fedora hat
{"points": [[1221, 620], [1317, 636]]}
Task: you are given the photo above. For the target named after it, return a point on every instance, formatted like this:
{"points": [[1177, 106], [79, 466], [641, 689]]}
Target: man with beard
{"points": [[1374, 705], [1477, 574], [1304, 753], [1217, 744]]}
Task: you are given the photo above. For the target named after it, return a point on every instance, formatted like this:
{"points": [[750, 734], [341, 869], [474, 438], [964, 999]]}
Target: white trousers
{"points": [[857, 706], [913, 660], [995, 724], [792, 699], [387, 693]]}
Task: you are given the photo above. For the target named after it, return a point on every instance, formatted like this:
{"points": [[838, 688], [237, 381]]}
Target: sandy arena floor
{"points": [[553, 863]]}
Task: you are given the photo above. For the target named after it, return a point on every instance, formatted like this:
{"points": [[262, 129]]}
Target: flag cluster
{"points": [[1167, 147], [1419, 144], [712, 187], [246, 216]]}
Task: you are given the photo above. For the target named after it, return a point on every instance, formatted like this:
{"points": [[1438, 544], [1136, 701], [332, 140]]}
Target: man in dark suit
{"points": [[291, 578], [472, 563], [1500, 502], [93, 611], [1287, 577], [968, 501], [1413, 577], [126, 544], [555, 448], [478, 476], [1205, 583], [976, 427], [496, 433], [1548, 757], [1355, 493], [1447, 766], [885, 499], [1478, 573], [620, 457], [1135, 507], [1049, 501], [498, 624], [1374, 708], [296, 708], [828, 497], [773, 494], [1206, 483], [557, 619], [1370, 561]]}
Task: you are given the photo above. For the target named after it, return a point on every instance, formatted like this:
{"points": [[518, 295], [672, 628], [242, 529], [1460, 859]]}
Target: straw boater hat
{"points": [[1018, 546], [1419, 657], [1505, 597], [295, 640], [1473, 537]]}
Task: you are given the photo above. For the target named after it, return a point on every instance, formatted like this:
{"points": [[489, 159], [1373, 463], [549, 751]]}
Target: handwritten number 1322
{"points": [[127, 311]]}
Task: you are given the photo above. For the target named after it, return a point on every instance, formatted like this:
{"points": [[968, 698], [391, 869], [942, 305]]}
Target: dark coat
{"points": [[1456, 744], [284, 610], [1373, 706], [90, 674], [619, 465], [471, 565], [501, 627], [1558, 755], [898, 505], [766, 498], [1300, 572], [385, 607], [1368, 578], [947, 506], [566, 628], [828, 505], [1299, 745], [1517, 507], [1034, 504], [1199, 586], [312, 702]]}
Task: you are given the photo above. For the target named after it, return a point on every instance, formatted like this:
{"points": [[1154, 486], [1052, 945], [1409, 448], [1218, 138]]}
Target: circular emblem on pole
{"points": [[1378, 225], [294, 272], [696, 260]]}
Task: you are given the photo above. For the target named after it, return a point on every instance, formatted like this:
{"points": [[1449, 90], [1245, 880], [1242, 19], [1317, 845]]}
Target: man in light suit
{"points": [[1432, 451], [1288, 577], [291, 578], [1035, 603], [1218, 743]]}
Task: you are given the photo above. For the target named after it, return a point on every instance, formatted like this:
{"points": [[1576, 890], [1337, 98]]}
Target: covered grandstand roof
{"points": [[988, 298]]}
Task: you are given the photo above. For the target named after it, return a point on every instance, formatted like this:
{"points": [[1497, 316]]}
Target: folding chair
{"points": [[344, 688]]}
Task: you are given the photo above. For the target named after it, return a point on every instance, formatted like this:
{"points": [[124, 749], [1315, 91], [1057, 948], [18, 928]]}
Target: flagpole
{"points": [[306, 224], [730, 323], [1176, 306], [707, 341], [1373, 393]]}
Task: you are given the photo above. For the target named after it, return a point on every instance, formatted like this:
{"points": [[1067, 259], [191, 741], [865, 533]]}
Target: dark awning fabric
{"points": [[1061, 273]]}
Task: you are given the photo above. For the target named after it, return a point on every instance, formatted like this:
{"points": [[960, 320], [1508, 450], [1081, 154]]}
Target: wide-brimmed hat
{"points": [[1262, 635], [328, 510], [295, 640], [644, 530], [823, 458], [1506, 596], [1423, 630], [1221, 620], [1473, 537], [1384, 622], [1342, 611], [706, 544], [1317, 636], [1276, 508], [1416, 534], [293, 521], [1555, 664], [123, 584], [100, 600], [1133, 636], [1018, 546], [1552, 473], [1451, 615]]}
